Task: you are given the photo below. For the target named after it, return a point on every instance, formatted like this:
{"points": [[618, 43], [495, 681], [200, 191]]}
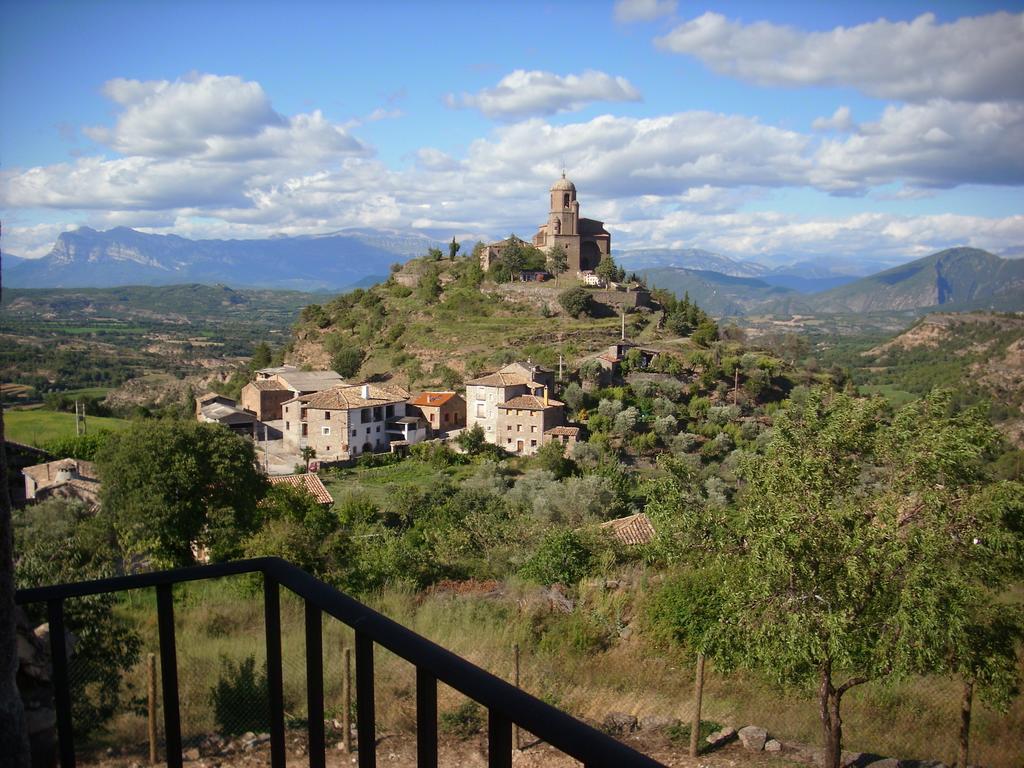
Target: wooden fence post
{"points": [[698, 694]]}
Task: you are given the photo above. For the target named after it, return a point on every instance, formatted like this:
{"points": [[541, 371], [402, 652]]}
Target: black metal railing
{"points": [[506, 705]]}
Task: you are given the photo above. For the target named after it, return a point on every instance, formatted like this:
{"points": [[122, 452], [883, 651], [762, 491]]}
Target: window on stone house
{"points": [[533, 427], [354, 433], [364, 415], [327, 415], [481, 410], [431, 418], [325, 430], [389, 411], [519, 427], [533, 443], [287, 426]]}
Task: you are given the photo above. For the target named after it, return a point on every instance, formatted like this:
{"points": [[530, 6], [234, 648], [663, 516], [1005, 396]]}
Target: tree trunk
{"points": [[965, 723], [698, 694], [831, 724]]}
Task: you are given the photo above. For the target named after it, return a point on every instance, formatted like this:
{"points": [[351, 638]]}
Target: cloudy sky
{"points": [[879, 130]]}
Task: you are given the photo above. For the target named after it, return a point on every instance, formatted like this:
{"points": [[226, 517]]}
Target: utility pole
{"points": [[559, 367], [623, 321]]}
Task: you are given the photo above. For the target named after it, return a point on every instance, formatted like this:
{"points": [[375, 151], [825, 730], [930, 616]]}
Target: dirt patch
{"points": [[399, 750]]}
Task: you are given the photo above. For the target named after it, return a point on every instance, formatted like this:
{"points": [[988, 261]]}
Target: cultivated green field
{"points": [[36, 426]]}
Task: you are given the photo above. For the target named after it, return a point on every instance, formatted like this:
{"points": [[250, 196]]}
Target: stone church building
{"points": [[585, 240]]}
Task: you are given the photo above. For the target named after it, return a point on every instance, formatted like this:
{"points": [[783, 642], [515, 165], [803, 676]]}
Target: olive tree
{"points": [[866, 543]]}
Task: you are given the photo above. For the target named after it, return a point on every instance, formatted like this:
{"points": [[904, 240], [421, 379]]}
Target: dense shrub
{"points": [[241, 698], [576, 301], [562, 558]]}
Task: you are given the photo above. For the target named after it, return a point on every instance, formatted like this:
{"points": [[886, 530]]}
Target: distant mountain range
{"points": [[965, 278], [805, 277], [122, 256], [957, 278]]}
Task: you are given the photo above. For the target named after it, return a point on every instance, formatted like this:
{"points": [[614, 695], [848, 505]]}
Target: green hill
{"points": [[955, 279], [438, 322], [717, 293]]}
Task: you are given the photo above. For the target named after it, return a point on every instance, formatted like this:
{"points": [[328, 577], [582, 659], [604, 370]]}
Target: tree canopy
{"points": [[169, 484]]}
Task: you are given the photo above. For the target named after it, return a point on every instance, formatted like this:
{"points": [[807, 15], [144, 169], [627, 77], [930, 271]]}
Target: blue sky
{"points": [[871, 130]]}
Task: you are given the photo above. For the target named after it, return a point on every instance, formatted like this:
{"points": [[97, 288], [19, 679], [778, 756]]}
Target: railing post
{"points": [[61, 690], [275, 680], [366, 729], [426, 719], [169, 673], [499, 741], [315, 685]]}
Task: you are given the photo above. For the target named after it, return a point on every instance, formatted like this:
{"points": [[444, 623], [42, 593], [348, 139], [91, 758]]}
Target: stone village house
{"points": [[344, 422], [272, 387], [485, 393], [523, 422], [443, 411]]}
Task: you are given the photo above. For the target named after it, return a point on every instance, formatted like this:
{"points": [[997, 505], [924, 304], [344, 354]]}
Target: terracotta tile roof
{"points": [[635, 529], [570, 431], [83, 489], [268, 385], [46, 474], [345, 398], [311, 484], [499, 379], [432, 399], [531, 403], [311, 381]]}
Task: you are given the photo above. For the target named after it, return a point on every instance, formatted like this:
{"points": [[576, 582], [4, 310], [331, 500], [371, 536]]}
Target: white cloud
{"points": [[939, 144], [212, 117], [522, 94], [973, 58], [841, 120], [673, 179], [628, 11]]}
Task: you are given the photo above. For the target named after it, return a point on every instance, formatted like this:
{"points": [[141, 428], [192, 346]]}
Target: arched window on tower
{"points": [[565, 200]]}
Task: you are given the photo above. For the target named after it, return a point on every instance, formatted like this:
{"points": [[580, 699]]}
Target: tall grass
{"points": [[588, 663]]}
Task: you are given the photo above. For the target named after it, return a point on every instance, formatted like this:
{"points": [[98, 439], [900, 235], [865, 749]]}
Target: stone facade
{"points": [[523, 421], [485, 393], [443, 411], [345, 422], [265, 398], [585, 240]]}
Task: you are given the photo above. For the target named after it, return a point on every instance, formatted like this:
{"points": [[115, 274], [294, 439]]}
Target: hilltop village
{"points": [[318, 415], [520, 446]]}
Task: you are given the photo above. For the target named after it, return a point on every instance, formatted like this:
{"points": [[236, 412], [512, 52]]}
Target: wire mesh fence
{"points": [[221, 657]]}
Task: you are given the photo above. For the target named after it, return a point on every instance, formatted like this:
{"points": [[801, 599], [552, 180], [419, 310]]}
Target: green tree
{"points": [[261, 356], [577, 301], [558, 261], [472, 440], [169, 484], [347, 361], [606, 269], [453, 249], [864, 546], [551, 457]]}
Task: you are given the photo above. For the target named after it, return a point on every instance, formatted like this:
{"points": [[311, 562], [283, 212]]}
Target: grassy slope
{"points": [[36, 426], [913, 719], [466, 329]]}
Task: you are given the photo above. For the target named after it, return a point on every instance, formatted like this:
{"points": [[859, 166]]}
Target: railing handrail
{"points": [[550, 724]]}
